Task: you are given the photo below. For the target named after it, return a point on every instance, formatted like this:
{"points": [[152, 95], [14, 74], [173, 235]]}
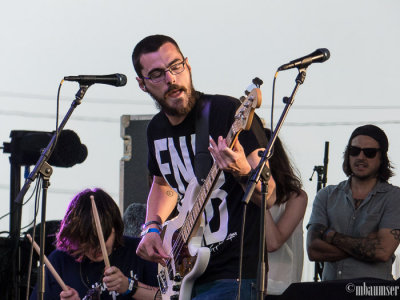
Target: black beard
{"points": [[364, 178], [162, 106]]}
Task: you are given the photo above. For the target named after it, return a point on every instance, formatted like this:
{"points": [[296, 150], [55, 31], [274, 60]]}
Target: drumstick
{"points": [[48, 264], [101, 239], [100, 233]]}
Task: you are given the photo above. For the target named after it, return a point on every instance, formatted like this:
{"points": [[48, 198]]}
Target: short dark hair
{"points": [[385, 169], [78, 229], [282, 170], [150, 44]]}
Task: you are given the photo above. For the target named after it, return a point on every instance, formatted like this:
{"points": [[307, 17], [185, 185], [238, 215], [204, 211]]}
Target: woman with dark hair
{"points": [[79, 261], [284, 223]]}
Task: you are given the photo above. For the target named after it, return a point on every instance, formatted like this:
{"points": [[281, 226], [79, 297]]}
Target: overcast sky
{"points": [[227, 43]]}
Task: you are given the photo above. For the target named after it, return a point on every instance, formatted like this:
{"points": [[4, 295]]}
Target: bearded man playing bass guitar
{"points": [[165, 74]]}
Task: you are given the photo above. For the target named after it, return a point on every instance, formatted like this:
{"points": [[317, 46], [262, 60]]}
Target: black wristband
{"points": [[243, 179], [134, 285]]}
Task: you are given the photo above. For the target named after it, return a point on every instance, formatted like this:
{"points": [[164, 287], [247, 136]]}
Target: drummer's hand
{"points": [[115, 280], [151, 248], [71, 294]]}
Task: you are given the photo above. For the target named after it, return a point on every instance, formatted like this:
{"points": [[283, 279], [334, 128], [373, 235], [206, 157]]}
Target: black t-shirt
{"points": [[171, 155], [87, 274]]}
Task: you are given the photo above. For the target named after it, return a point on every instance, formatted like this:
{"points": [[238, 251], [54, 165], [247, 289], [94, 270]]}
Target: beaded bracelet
{"points": [[150, 223]]}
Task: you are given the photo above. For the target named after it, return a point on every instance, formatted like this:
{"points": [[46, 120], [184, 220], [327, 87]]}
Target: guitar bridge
{"points": [[162, 281]]}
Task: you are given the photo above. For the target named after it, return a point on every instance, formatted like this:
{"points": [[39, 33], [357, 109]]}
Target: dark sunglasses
{"points": [[368, 152]]}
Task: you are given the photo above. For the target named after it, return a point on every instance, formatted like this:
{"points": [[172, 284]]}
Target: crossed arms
{"points": [[324, 244]]}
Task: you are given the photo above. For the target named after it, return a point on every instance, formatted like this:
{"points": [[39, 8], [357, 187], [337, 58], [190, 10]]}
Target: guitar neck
{"points": [[242, 121], [206, 189]]}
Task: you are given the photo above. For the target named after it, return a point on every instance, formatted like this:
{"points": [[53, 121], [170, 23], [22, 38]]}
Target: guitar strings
{"points": [[179, 243]]}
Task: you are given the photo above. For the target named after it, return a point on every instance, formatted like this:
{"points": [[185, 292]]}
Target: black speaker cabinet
{"points": [[134, 176]]}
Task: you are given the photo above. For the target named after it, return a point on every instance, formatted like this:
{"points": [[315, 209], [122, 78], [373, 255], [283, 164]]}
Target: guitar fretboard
{"points": [[207, 187]]}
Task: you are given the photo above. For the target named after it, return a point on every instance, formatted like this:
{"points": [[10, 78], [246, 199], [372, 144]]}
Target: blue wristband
{"points": [[129, 287], [133, 283], [150, 230]]}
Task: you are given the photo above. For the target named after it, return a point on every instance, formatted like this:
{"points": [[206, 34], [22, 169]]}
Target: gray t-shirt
{"points": [[334, 207]]}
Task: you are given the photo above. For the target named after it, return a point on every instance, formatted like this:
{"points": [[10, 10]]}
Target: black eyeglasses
{"points": [[368, 152], [159, 75]]}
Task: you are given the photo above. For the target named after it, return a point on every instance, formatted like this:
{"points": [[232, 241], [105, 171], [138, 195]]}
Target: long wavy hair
{"points": [[78, 235], [282, 170]]}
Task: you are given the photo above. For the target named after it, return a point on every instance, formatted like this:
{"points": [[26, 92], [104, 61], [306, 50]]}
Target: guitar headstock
{"points": [[244, 114]]}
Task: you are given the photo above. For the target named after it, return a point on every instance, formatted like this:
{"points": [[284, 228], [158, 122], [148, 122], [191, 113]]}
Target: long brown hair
{"points": [[282, 170], [78, 233]]}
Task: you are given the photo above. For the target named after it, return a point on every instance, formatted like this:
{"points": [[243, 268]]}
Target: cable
{"points": [[273, 101], [30, 197], [6, 94], [50, 116], [57, 116], [314, 124], [36, 209]]}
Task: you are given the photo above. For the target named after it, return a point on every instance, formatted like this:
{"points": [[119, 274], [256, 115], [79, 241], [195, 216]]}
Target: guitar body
{"points": [[190, 260]]}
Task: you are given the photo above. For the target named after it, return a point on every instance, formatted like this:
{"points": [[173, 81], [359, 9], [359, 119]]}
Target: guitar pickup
{"points": [[162, 281]]}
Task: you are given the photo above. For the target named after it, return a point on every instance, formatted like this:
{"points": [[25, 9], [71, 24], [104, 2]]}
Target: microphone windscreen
{"points": [[69, 150], [26, 148], [122, 80], [134, 217]]}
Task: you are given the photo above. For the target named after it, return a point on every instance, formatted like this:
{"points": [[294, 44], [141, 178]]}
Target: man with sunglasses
{"points": [[355, 226], [166, 75]]}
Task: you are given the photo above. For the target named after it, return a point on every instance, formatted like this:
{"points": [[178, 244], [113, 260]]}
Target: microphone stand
{"points": [[44, 170], [322, 172], [255, 177]]}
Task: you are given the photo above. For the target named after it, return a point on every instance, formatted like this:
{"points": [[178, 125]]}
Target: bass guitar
{"points": [[182, 235]]}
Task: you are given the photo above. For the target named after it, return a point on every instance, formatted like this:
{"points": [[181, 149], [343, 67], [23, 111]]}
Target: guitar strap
{"points": [[202, 160]]}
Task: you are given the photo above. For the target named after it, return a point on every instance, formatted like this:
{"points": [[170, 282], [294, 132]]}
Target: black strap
{"points": [[202, 160]]}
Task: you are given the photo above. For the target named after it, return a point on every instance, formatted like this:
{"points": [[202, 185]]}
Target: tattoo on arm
{"points": [[170, 193], [396, 234], [360, 248]]}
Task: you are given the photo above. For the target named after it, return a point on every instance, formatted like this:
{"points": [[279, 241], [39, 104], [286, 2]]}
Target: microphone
{"points": [[112, 79], [319, 55]]}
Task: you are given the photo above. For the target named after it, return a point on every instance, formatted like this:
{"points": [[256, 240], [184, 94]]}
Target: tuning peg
{"points": [[257, 81]]}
